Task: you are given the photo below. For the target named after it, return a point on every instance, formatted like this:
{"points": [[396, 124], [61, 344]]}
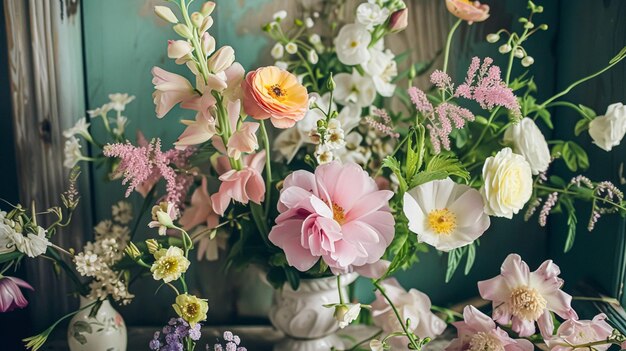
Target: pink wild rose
{"points": [[573, 332], [524, 297], [336, 214], [478, 331]]}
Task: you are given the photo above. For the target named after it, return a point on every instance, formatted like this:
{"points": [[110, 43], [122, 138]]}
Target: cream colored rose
{"points": [[608, 130], [528, 141], [508, 183]]}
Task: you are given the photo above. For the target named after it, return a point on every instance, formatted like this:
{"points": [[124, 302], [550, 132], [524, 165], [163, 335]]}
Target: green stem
{"points": [[580, 81], [202, 62], [410, 335], [395, 151], [341, 301], [567, 192], [268, 168], [446, 55], [259, 219]]}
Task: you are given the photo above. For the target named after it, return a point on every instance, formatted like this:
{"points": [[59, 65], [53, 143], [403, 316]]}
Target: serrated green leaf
{"points": [[393, 164]]}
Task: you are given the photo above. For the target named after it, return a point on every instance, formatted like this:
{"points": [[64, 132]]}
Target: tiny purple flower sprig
{"points": [[177, 335], [232, 343]]}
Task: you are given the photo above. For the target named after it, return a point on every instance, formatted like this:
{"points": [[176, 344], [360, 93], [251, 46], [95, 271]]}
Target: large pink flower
{"points": [[573, 332], [170, 89], [11, 296], [240, 185], [479, 332], [526, 297], [337, 214], [413, 305], [468, 10], [200, 211]]}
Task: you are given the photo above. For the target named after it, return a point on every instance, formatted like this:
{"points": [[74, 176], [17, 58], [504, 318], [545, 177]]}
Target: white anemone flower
{"points": [[354, 89], [352, 44], [445, 215]]}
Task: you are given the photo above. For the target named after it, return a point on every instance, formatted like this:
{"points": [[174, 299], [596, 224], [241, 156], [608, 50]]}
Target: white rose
{"points": [[608, 130], [352, 44], [528, 141], [508, 183], [371, 15]]}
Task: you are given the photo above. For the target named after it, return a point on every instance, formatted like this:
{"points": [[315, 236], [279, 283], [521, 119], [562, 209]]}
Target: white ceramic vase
{"points": [[105, 331], [301, 314]]}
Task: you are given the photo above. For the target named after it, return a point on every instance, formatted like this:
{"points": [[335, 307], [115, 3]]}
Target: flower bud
{"points": [[291, 48], [527, 61], [197, 19], [280, 15], [519, 53], [398, 21], [178, 48], [165, 219], [315, 39], [308, 22], [132, 251], [340, 312], [206, 24], [207, 8], [505, 48], [313, 58], [208, 43], [153, 246], [166, 13], [376, 345], [183, 31], [277, 51], [331, 83], [543, 27], [222, 59], [493, 38]]}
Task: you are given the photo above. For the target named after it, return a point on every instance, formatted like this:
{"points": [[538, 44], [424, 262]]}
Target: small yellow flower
{"points": [[169, 264], [191, 308]]}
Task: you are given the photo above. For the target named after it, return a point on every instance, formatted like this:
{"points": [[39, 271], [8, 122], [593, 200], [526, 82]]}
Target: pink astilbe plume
{"points": [[441, 120], [441, 80], [484, 85], [147, 163], [384, 126]]}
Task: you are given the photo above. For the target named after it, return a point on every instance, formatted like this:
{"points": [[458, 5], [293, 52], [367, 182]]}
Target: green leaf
{"points": [[10, 256], [292, 277], [393, 164], [571, 224], [569, 157], [582, 159], [546, 117], [558, 181], [454, 259], [581, 126], [415, 151], [471, 257], [587, 112]]}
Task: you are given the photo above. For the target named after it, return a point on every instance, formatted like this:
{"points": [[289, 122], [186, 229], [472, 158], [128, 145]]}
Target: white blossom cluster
{"points": [[98, 259], [29, 240]]}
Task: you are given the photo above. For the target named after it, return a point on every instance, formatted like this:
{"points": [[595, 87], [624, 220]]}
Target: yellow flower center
{"points": [[277, 92], [354, 44], [526, 303], [169, 265], [482, 341], [334, 137], [338, 214], [191, 309], [442, 221]]}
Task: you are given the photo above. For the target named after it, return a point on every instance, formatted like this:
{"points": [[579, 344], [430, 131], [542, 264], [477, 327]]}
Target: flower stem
{"points": [[410, 335], [268, 168], [341, 301], [446, 55]]}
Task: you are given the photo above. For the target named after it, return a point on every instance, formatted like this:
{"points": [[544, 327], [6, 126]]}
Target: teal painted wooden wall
{"points": [[123, 40]]}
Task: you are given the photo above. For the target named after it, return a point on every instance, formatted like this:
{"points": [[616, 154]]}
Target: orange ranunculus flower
{"points": [[467, 10], [270, 92]]}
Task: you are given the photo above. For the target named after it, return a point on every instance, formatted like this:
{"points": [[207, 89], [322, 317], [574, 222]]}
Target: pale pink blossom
{"points": [[197, 132], [170, 89], [178, 49], [239, 185], [336, 214], [573, 332], [468, 10], [477, 332], [243, 139], [200, 210], [11, 296], [524, 297], [145, 163], [413, 305]]}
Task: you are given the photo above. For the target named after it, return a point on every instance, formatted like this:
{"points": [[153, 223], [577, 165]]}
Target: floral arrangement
{"points": [[348, 184]]}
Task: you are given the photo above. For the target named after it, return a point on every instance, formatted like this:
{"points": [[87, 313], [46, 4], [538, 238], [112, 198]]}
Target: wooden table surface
{"points": [[254, 338]]}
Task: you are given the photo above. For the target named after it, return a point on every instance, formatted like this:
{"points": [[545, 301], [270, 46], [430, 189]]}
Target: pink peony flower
{"points": [[468, 10], [478, 331], [171, 89], [240, 185], [337, 214], [11, 296], [413, 305], [573, 332], [525, 297]]}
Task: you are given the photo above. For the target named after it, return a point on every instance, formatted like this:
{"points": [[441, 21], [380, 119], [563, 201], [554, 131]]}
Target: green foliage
{"points": [[439, 167], [574, 156], [456, 256], [571, 223]]}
